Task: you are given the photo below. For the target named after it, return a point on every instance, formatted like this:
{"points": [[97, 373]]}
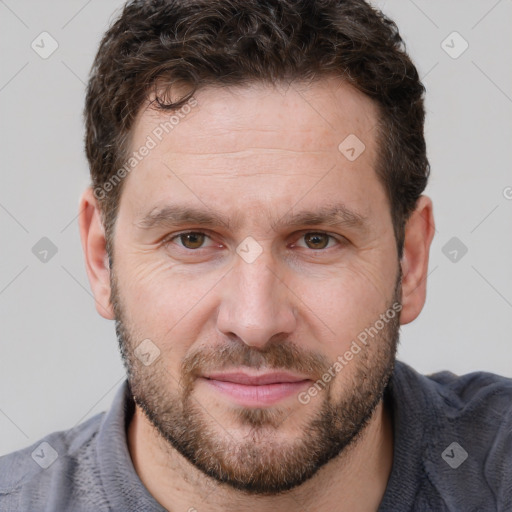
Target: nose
{"points": [[256, 303]]}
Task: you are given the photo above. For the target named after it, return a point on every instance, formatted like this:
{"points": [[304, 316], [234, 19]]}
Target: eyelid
{"points": [[340, 240], [170, 238]]}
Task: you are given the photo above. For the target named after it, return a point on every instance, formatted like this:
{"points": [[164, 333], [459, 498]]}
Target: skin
{"points": [[272, 151]]}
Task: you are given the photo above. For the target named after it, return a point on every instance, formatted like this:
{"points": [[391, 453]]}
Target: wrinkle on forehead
{"points": [[304, 118]]}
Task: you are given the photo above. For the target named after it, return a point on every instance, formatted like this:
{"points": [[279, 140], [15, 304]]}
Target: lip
{"points": [[256, 379], [256, 390]]}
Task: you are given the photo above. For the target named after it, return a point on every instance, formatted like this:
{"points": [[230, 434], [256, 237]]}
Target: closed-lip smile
{"points": [[250, 389]]}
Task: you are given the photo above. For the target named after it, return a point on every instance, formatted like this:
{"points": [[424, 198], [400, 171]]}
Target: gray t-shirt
{"points": [[452, 452]]}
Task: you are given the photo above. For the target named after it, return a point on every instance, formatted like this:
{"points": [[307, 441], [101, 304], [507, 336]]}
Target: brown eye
{"points": [[192, 240], [316, 240]]}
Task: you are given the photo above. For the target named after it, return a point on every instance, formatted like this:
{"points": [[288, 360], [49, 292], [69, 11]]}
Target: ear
{"points": [[93, 239], [419, 232]]}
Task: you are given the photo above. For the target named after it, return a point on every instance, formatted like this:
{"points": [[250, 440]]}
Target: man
{"points": [[257, 230]]}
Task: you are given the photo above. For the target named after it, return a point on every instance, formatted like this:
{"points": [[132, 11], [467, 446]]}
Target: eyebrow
{"points": [[337, 215]]}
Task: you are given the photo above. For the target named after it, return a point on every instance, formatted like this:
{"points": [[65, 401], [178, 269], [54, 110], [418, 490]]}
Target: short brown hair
{"points": [[234, 42]]}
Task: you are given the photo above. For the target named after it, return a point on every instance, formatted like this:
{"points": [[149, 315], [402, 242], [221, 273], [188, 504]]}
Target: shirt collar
{"points": [[124, 489]]}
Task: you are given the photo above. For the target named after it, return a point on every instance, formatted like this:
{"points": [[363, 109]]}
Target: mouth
{"points": [[256, 390]]}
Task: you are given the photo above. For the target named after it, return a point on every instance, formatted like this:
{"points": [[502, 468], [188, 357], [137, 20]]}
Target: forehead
{"points": [[319, 114], [285, 135]]}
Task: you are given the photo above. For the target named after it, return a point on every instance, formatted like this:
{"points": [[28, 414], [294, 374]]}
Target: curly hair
{"points": [[155, 45]]}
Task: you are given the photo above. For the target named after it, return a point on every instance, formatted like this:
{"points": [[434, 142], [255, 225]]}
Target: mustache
{"points": [[231, 355]]}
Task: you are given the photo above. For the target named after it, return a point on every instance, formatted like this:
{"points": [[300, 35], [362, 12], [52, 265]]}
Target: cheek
{"points": [[153, 283], [342, 305], [166, 306]]}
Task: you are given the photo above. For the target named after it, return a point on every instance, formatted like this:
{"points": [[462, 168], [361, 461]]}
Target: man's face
{"points": [[275, 285]]}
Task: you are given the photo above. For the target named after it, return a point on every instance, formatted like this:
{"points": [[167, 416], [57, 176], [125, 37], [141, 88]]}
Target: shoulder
{"points": [[50, 470], [467, 423], [480, 395], [479, 407], [473, 388]]}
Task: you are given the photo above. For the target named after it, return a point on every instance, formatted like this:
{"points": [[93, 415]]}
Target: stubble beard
{"points": [[263, 461]]}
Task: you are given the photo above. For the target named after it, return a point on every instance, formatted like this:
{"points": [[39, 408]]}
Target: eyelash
{"points": [[340, 240]]}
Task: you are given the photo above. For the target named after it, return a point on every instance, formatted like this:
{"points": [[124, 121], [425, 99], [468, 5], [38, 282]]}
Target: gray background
{"points": [[58, 358]]}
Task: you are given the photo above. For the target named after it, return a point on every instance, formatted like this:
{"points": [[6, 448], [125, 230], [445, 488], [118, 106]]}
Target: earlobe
{"points": [[92, 235], [419, 232]]}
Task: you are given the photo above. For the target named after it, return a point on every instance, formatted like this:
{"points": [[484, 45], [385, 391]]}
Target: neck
{"points": [[356, 480]]}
